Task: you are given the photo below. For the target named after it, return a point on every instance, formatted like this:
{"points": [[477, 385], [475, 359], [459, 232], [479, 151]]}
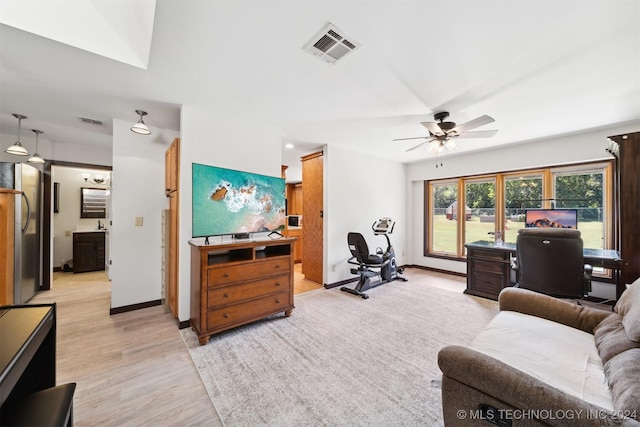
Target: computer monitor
{"points": [[551, 218]]}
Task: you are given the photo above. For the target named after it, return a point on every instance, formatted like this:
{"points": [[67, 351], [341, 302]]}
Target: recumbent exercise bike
{"points": [[382, 264]]}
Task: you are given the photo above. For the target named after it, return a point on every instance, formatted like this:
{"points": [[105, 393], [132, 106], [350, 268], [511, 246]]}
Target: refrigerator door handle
{"points": [[26, 225]]}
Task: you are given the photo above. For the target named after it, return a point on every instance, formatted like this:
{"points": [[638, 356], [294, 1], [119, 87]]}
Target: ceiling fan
{"points": [[442, 134]]}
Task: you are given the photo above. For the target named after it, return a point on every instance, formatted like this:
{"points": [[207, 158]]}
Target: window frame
{"points": [[548, 187]]}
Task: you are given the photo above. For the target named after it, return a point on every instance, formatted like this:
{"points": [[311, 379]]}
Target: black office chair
{"points": [[550, 261]]}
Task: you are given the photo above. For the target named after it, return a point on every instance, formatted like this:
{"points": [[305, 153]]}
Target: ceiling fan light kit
{"points": [[442, 133]]}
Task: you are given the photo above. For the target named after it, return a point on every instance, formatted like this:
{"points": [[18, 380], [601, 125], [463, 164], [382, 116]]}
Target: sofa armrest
{"points": [[551, 308], [486, 380]]}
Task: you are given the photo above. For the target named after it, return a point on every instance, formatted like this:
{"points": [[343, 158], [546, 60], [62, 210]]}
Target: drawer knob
{"points": [[277, 283], [277, 265], [225, 275], [226, 315], [226, 295], [277, 301]]}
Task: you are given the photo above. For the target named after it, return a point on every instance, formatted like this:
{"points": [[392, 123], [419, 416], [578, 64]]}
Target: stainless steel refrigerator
{"points": [[28, 239]]}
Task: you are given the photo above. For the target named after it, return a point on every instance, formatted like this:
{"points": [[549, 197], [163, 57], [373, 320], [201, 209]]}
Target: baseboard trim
{"points": [[183, 324], [436, 270], [133, 307], [340, 283]]}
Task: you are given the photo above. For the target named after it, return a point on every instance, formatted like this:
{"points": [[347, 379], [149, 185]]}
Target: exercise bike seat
{"points": [[360, 251]]}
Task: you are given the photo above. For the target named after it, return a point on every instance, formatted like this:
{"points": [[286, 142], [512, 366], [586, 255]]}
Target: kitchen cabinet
{"points": [[7, 241]]}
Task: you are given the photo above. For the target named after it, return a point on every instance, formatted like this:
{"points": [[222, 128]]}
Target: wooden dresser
{"points": [[237, 283]]}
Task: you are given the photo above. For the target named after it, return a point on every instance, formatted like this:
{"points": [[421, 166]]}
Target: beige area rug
{"points": [[340, 360]]}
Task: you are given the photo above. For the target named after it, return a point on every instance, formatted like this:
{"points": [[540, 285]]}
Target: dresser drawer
{"points": [[220, 318], [487, 282], [223, 295], [246, 271], [488, 266], [488, 254]]}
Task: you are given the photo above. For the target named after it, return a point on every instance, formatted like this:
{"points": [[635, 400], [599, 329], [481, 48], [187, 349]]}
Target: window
{"points": [[521, 192], [444, 216], [498, 202], [584, 190], [480, 198]]}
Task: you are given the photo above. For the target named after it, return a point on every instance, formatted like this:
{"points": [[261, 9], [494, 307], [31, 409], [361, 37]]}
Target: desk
{"points": [[28, 350], [489, 267]]}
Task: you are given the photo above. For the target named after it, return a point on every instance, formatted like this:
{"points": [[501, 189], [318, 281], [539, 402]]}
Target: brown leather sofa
{"points": [[545, 361]]}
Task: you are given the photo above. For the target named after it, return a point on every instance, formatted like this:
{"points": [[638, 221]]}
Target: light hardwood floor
{"points": [[132, 369], [300, 284]]}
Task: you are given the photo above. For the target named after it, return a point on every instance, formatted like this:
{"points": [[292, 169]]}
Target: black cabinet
{"points": [[88, 251], [488, 268], [628, 195]]}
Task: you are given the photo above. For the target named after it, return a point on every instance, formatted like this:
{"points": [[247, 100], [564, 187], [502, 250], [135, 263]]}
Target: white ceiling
{"points": [[540, 68]]}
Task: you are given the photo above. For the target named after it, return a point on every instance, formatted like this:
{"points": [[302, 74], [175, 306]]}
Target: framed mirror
{"points": [[93, 202]]}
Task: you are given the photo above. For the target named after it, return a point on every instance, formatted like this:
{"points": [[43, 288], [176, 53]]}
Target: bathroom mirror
{"points": [[93, 202]]}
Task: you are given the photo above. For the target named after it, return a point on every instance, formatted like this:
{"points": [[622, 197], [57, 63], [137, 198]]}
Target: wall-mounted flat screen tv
{"points": [[551, 218], [226, 201]]}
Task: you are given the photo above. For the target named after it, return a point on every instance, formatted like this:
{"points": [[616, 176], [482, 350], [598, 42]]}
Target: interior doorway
{"points": [[312, 211], [62, 212]]}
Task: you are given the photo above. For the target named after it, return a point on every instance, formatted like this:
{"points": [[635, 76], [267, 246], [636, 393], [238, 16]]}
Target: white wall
{"points": [[208, 138], [68, 217], [137, 191], [360, 189]]}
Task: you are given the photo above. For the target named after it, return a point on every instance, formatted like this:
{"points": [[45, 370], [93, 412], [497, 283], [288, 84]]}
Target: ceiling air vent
{"points": [[91, 121], [331, 45]]}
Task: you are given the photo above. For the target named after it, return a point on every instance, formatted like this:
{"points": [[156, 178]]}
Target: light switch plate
{"points": [[139, 221]]}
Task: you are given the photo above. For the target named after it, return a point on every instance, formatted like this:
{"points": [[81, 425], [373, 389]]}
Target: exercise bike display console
{"points": [[381, 264]]}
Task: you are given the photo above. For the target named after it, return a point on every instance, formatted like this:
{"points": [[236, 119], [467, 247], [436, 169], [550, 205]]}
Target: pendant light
{"points": [[36, 157], [18, 148], [140, 127]]}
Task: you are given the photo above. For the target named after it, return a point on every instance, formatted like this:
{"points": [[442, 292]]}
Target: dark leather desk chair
{"points": [[550, 261]]}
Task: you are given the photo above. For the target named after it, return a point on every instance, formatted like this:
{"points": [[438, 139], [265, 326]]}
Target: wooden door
{"points": [[171, 168], [312, 217], [172, 265], [172, 187]]}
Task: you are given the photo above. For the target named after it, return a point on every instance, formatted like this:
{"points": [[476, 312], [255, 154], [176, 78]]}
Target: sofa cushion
{"points": [[623, 375], [611, 338], [561, 356], [628, 307]]}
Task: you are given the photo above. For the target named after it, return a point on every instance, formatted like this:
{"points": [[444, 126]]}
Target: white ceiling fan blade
{"points": [[419, 145], [406, 139], [433, 128], [472, 124], [478, 134]]}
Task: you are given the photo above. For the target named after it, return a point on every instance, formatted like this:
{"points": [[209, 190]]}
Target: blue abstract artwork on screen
{"points": [[226, 201]]}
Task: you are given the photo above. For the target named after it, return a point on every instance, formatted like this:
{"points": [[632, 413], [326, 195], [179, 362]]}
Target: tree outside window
{"points": [[584, 192], [520, 193]]}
